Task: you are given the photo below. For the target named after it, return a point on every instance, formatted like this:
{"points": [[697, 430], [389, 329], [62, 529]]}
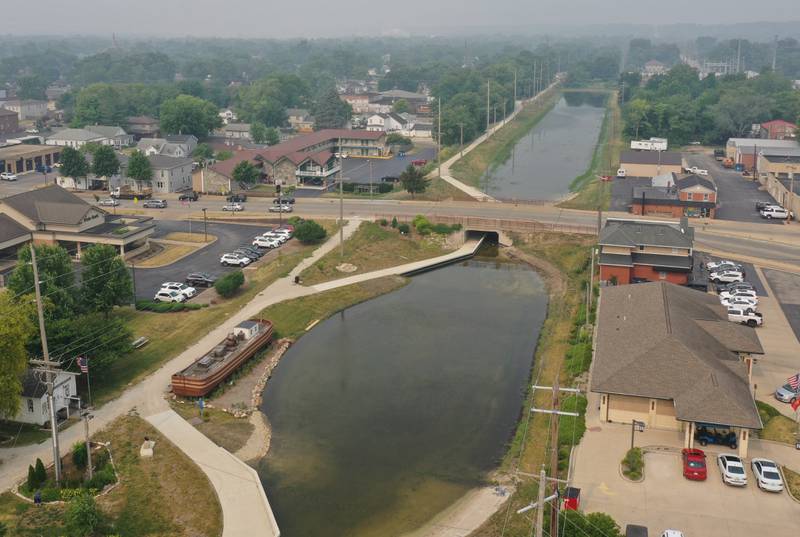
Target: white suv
{"points": [[182, 288], [234, 259], [266, 242], [774, 212], [727, 276], [165, 295]]}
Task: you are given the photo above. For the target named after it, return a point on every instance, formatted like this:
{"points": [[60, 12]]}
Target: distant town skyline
{"points": [[318, 18]]}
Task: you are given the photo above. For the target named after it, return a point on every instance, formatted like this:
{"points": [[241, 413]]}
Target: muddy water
{"points": [[387, 413]]}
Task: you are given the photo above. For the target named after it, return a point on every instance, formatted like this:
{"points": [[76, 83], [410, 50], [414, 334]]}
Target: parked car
{"points": [[265, 242], [249, 248], [285, 227], [234, 259], [237, 198], [726, 276], [155, 204], [787, 394], [390, 179], [634, 530], [672, 533], [735, 285], [708, 434], [200, 279], [745, 316], [188, 196], [743, 303], [281, 238], [284, 199], [166, 295], [712, 265], [182, 288], [739, 293], [732, 469], [419, 162], [774, 212], [8, 176], [233, 207], [761, 205], [727, 265], [282, 208], [108, 202], [694, 464], [767, 474], [247, 253]]}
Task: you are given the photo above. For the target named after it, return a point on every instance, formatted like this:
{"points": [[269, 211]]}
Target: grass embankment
{"points": [[792, 480], [497, 149], [563, 260], [171, 333], [591, 191], [220, 427], [777, 427], [165, 495], [375, 247]]}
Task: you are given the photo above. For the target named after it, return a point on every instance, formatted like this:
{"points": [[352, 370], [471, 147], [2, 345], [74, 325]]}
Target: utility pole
{"points": [[739, 56], [86, 417], [775, 54], [515, 89], [540, 506], [461, 126], [133, 281], [554, 458], [278, 190], [439, 138], [341, 201], [534, 79], [370, 179], [488, 92], [205, 225], [50, 369]]}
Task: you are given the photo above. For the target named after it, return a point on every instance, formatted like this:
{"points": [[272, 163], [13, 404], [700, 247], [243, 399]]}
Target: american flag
{"points": [[794, 381], [83, 363]]}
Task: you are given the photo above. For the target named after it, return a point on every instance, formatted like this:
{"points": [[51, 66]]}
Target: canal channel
{"points": [[557, 149], [388, 412]]}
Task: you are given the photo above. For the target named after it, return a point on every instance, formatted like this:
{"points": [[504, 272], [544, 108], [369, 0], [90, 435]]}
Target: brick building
{"points": [[9, 122], [778, 129], [687, 196]]}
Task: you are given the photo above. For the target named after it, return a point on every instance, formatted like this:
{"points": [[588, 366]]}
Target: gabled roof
{"points": [[10, 229], [778, 122], [237, 127], [76, 135], [695, 180], [7, 112], [109, 131], [638, 232], [181, 138], [165, 162], [141, 120], [663, 341], [666, 158], [50, 205]]}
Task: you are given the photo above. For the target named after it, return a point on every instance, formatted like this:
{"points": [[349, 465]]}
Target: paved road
{"points": [[737, 195], [786, 287]]}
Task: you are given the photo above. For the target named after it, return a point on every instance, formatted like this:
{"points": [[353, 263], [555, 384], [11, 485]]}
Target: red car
{"points": [[694, 464], [419, 162]]}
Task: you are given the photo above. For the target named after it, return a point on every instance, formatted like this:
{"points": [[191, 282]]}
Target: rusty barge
{"points": [[205, 374]]}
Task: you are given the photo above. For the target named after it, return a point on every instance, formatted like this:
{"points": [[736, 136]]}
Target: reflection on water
{"points": [[387, 413], [557, 150]]}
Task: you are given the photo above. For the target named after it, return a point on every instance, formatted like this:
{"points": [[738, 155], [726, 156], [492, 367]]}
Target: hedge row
{"points": [[167, 307]]}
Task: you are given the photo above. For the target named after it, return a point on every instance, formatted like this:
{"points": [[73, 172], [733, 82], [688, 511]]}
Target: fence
{"points": [[497, 224]]}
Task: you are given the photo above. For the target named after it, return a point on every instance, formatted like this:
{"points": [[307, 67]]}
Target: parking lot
{"points": [[26, 182], [786, 287], [229, 237], [750, 274], [357, 170]]}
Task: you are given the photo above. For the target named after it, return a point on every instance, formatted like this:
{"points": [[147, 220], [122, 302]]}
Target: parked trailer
{"points": [[653, 144]]}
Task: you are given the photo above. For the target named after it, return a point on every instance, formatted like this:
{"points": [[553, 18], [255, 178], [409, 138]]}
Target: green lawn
{"points": [[21, 434], [220, 427], [777, 427], [374, 247]]}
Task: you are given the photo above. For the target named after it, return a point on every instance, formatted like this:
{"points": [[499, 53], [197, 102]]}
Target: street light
{"points": [[370, 179], [205, 226], [340, 156]]}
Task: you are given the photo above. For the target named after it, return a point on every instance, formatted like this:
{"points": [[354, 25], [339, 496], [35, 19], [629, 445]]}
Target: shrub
{"points": [[404, 229], [348, 187], [385, 188], [633, 464], [444, 229], [51, 495], [309, 232], [167, 307], [79, 455], [230, 283], [294, 221], [31, 483], [102, 478], [394, 222], [82, 515], [420, 221], [383, 222], [40, 473]]}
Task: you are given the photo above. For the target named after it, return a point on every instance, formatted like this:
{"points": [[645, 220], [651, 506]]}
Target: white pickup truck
{"points": [[745, 317]]}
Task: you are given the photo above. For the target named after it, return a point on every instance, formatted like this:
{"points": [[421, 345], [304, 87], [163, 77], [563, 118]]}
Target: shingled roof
{"points": [[632, 233], [50, 205], [663, 341], [665, 158]]}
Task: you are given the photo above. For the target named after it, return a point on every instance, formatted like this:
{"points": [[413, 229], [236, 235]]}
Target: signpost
{"points": [[636, 426]]}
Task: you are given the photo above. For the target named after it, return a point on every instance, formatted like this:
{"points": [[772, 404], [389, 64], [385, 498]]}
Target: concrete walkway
{"points": [[471, 190], [245, 508]]}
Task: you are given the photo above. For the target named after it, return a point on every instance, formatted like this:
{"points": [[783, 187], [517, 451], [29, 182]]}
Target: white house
{"points": [[34, 409], [171, 174], [236, 131], [388, 122], [177, 146], [75, 138], [227, 116]]}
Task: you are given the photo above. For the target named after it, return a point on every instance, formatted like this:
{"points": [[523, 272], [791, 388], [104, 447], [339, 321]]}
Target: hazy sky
{"points": [[326, 18]]}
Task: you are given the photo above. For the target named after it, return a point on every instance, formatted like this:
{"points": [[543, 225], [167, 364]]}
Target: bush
{"points": [[294, 221], [31, 483], [404, 229], [383, 222], [633, 464], [444, 229], [167, 307], [385, 188], [51, 495], [82, 516], [420, 221], [39, 472], [230, 283], [394, 222], [79, 455], [102, 478], [309, 232]]}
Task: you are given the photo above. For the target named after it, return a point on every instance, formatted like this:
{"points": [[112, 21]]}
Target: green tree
{"points": [[224, 154], [413, 180], [99, 104], [272, 136], [737, 111], [31, 87], [39, 472], [330, 112], [105, 162], [258, 131], [73, 163], [227, 285], [79, 455], [111, 340], [203, 152], [82, 515], [577, 524], [16, 331], [245, 172], [139, 167], [186, 114], [308, 232], [106, 281], [635, 113], [56, 277], [400, 106], [31, 481]]}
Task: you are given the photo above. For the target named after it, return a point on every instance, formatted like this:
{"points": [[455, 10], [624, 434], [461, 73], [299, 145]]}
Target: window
{"points": [[705, 197], [641, 247], [662, 275], [30, 405]]}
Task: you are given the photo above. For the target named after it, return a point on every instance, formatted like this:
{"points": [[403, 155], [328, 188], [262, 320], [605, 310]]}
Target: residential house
{"points": [[171, 174], [54, 92], [55, 216], [667, 356], [745, 151], [24, 158], [388, 122], [228, 116], [75, 138], [650, 163], [235, 131], [143, 127], [675, 197], [383, 102], [187, 141], [114, 136], [778, 129], [358, 102], [34, 408], [300, 119], [27, 109], [640, 250], [9, 122], [179, 148], [654, 68]]}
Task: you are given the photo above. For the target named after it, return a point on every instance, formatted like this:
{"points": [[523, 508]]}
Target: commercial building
{"points": [[9, 122], [692, 195], [780, 175], [745, 151], [650, 163], [24, 158], [667, 356], [75, 138], [27, 109], [53, 215], [634, 251], [778, 129]]}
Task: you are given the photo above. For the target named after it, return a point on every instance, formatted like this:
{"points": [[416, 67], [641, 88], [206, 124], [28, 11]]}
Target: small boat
{"points": [[205, 374]]}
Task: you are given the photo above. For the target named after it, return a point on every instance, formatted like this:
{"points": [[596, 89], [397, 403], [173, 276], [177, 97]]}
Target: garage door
{"points": [[623, 409]]}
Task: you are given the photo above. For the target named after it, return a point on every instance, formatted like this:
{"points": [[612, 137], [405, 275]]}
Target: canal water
{"points": [[385, 414], [558, 149]]}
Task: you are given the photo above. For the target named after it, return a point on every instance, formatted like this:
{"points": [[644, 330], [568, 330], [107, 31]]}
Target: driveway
{"points": [[786, 288], [737, 195], [229, 237]]}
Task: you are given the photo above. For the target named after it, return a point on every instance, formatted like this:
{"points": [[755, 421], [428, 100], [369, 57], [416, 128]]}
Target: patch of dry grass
{"points": [[220, 427], [792, 480], [168, 255], [188, 237], [779, 429]]}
